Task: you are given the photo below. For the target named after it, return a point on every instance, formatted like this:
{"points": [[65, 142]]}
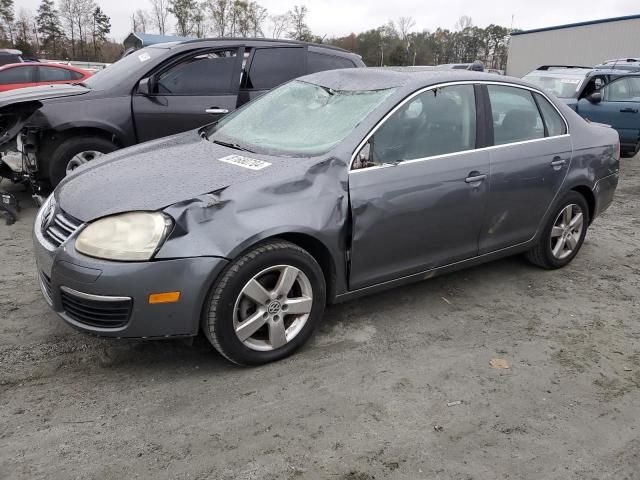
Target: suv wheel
{"points": [[74, 152]]}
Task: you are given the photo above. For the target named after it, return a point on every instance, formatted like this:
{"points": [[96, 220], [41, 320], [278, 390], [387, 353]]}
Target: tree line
{"points": [[79, 30]]}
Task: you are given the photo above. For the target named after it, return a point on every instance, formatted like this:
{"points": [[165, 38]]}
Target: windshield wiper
{"points": [[232, 145]]}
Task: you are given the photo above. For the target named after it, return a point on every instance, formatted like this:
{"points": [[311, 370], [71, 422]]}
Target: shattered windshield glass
{"points": [[561, 87], [297, 119]]}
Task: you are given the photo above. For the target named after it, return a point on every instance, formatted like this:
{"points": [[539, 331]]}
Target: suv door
{"points": [[269, 67], [619, 108], [529, 162], [418, 201], [188, 92]]}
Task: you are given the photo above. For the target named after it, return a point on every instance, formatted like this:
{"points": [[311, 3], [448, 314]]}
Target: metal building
{"points": [[585, 43]]}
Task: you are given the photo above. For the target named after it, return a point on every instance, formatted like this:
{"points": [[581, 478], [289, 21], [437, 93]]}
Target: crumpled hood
{"points": [[154, 175]]}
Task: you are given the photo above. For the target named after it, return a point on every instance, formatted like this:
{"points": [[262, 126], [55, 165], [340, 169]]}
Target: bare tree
{"points": [[68, 9], [279, 24], [405, 24], [463, 23], [299, 28], [160, 15], [220, 11], [140, 21]]}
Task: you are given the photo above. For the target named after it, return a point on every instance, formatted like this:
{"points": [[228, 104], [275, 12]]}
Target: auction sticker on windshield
{"points": [[246, 162]]}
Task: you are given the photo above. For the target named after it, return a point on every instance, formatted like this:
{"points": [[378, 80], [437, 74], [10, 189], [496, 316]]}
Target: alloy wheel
{"points": [[567, 231], [82, 158], [272, 308]]}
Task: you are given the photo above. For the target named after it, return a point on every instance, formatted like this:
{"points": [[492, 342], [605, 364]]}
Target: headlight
{"points": [[131, 236]]}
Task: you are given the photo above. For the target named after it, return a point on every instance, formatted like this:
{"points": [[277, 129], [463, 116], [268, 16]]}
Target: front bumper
{"points": [[112, 298]]}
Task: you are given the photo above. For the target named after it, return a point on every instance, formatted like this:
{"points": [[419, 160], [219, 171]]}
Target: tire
{"points": [[231, 305], [62, 155], [543, 254]]}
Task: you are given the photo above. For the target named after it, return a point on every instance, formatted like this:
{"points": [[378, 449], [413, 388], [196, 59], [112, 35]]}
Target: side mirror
{"points": [[145, 87], [595, 97]]}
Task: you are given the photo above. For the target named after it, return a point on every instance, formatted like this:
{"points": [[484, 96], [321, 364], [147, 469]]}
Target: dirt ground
{"points": [[367, 398]]}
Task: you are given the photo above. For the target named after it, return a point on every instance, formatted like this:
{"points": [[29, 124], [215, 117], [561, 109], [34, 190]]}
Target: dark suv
{"points": [[157, 91]]}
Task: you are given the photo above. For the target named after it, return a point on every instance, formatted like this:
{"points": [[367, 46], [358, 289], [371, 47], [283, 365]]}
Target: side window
{"points": [[617, 91], [76, 75], [17, 75], [54, 74], [211, 73], [515, 115], [319, 62], [552, 119], [435, 122], [271, 67]]}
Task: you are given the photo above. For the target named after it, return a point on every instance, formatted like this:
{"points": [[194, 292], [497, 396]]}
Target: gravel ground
{"points": [[367, 398]]}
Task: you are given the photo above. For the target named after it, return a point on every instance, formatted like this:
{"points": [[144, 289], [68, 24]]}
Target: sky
{"points": [[341, 17]]}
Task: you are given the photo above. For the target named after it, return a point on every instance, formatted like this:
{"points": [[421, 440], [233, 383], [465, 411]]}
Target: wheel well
{"points": [[320, 253], [589, 197]]}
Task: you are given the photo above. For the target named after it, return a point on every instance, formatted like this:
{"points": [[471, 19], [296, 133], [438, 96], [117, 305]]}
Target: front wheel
{"points": [[75, 152], [563, 235], [266, 304]]}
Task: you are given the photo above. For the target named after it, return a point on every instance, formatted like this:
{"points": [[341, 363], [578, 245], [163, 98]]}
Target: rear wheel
{"points": [[75, 152], [266, 304], [564, 234]]}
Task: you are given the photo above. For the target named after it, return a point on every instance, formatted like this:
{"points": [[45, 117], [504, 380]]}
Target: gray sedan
{"points": [[330, 187]]}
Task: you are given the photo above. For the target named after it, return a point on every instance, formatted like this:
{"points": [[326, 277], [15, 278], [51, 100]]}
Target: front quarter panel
{"points": [[311, 201]]}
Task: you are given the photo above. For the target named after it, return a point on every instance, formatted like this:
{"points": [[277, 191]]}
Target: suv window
{"points": [[319, 62], [622, 90], [271, 67], [17, 75], [435, 122], [54, 74], [211, 73], [515, 115], [552, 119]]}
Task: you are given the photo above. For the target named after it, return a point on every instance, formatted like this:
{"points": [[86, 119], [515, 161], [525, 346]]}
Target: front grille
{"points": [[57, 227], [95, 311], [45, 286]]}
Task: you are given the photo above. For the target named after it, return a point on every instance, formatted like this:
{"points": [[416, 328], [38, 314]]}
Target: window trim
{"points": [[448, 84]]}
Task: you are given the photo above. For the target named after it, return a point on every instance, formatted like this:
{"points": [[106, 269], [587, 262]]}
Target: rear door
{"points": [[620, 108], [529, 161], [17, 77], [419, 202], [269, 67], [189, 92]]}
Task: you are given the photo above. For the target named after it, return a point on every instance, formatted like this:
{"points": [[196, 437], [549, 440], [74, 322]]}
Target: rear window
{"points": [[560, 86], [319, 62], [271, 67]]}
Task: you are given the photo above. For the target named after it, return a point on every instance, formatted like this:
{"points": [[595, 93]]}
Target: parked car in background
{"points": [[330, 187], [9, 55], [603, 95], [629, 64], [157, 91], [28, 74]]}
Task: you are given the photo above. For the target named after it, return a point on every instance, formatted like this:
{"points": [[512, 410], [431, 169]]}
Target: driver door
{"points": [[187, 93], [418, 200]]}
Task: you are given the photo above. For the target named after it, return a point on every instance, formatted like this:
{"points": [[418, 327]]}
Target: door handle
{"points": [[475, 177], [558, 162], [629, 110], [216, 111]]}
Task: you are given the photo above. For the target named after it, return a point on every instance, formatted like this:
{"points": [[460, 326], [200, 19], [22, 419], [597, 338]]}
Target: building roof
{"points": [[579, 24]]}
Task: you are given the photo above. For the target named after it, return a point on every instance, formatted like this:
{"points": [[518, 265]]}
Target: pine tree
{"points": [[48, 24], [185, 12], [7, 17], [101, 26]]}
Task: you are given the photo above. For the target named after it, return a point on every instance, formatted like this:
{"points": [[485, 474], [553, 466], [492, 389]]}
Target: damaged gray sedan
{"points": [[332, 186]]}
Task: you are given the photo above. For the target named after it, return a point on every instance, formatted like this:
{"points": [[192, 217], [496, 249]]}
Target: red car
{"points": [[19, 75]]}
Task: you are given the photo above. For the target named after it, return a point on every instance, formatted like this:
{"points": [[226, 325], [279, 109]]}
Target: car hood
{"points": [[154, 175], [29, 94]]}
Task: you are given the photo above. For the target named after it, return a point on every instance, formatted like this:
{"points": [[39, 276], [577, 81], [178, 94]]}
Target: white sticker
{"points": [[246, 162], [143, 57], [569, 80]]}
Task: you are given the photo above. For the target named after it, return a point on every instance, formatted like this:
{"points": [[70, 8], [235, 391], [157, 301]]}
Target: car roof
{"points": [[379, 78], [562, 72], [43, 64], [253, 42]]}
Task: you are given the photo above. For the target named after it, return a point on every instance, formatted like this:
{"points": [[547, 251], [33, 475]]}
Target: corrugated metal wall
{"points": [[585, 45]]}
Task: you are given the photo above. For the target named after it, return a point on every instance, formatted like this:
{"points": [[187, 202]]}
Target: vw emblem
{"points": [[274, 307]]}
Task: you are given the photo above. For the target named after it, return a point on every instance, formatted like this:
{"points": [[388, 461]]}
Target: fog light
{"points": [[167, 297]]}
